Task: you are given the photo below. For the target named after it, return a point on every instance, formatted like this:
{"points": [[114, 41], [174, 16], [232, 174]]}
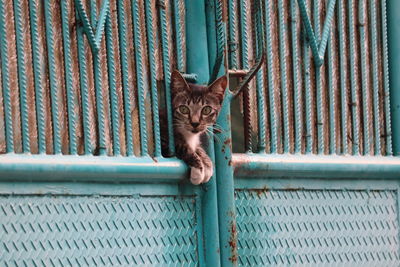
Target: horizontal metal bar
{"points": [[313, 166], [90, 168]]}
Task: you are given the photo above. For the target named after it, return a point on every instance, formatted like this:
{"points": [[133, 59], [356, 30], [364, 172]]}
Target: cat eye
{"points": [[184, 109], [206, 110]]}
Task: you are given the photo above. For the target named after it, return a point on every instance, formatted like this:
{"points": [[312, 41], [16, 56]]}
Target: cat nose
{"points": [[195, 124]]}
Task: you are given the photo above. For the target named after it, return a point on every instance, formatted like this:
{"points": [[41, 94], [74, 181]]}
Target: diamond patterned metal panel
{"points": [[317, 228], [97, 231]]}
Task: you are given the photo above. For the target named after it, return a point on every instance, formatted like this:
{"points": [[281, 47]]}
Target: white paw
{"points": [[208, 172], [196, 176]]}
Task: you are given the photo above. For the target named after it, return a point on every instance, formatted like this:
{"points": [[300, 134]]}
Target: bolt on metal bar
{"points": [[54, 80], [123, 46], [353, 79], [72, 117], [384, 31], [6, 81], [153, 80], [139, 76], [22, 75], [167, 74], [113, 86]]}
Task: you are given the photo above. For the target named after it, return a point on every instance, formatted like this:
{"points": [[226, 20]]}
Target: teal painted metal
{"points": [[6, 81], [72, 117], [318, 47], [22, 75], [393, 7], [90, 169], [313, 166], [331, 227], [62, 230]]}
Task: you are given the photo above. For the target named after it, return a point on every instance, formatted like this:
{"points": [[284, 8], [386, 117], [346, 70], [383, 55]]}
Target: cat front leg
{"points": [[208, 165], [194, 161]]}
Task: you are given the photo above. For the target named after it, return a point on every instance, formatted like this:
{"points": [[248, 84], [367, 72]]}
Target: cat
{"points": [[194, 108]]}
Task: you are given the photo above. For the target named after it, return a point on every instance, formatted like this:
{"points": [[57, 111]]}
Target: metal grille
{"points": [[339, 107], [317, 228], [90, 231], [83, 77]]}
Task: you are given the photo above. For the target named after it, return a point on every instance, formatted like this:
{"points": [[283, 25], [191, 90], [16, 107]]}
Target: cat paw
{"points": [[196, 175], [208, 172]]}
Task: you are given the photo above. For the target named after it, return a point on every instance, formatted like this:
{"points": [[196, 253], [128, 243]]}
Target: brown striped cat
{"points": [[195, 108]]}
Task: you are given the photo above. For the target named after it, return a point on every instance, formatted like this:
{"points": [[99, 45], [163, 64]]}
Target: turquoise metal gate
{"points": [[82, 178]]}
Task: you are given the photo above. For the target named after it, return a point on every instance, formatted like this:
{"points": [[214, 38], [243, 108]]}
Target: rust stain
{"points": [[232, 240], [227, 141], [230, 162], [258, 191]]}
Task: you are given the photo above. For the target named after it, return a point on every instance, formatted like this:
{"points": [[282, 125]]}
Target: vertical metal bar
{"points": [[37, 63], [84, 86], [284, 84], [332, 98], [375, 81], [113, 86], [6, 80], [22, 83], [343, 75], [72, 117], [123, 46], [393, 11], [232, 39], [139, 76], [307, 85], [153, 80], [178, 34], [368, 132], [354, 85], [98, 85], [321, 120], [271, 78], [54, 80], [297, 89], [388, 125], [167, 74]]}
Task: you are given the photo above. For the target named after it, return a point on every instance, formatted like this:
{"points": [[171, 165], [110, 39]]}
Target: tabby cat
{"points": [[195, 108]]}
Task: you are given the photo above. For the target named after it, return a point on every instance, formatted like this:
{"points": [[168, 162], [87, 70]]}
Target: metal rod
{"points": [[153, 80], [271, 79], [54, 80], [332, 100], [283, 74], [179, 31], [139, 76], [232, 38], [22, 75], [378, 124], [123, 46], [353, 79], [393, 9], [167, 75], [388, 123], [72, 117], [113, 86], [84, 87], [6, 81], [343, 76]]}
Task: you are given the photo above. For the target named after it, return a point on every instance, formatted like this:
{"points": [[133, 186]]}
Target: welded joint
{"points": [[318, 47], [93, 34]]}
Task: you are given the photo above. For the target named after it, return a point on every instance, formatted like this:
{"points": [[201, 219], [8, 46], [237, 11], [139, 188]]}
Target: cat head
{"points": [[195, 107]]}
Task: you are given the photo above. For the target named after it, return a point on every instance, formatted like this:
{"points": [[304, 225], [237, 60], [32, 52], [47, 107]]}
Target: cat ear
{"points": [[178, 83], [218, 87]]}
